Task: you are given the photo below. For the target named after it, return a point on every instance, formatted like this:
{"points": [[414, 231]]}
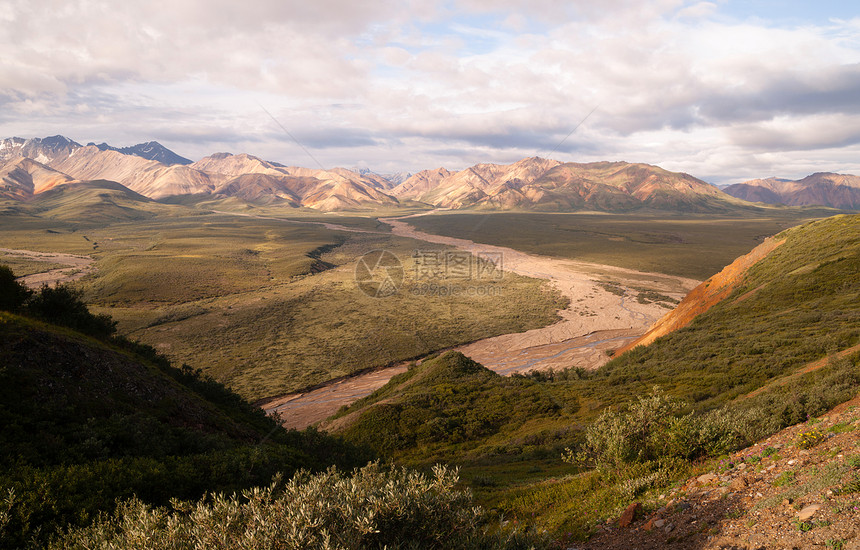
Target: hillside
{"points": [[547, 185], [796, 489], [823, 188], [795, 305], [147, 177], [86, 421], [21, 178], [93, 202], [707, 294], [763, 355]]}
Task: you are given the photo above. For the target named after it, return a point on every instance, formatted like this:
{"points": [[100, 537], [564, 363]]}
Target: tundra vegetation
{"points": [[546, 456]]}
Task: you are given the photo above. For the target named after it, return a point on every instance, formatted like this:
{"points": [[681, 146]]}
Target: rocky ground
{"points": [[799, 488]]}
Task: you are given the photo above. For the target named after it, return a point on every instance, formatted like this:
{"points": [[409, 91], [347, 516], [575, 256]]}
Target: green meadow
{"points": [[270, 306], [690, 245]]}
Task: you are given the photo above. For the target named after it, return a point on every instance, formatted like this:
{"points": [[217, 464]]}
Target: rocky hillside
{"points": [[799, 488], [823, 188]]}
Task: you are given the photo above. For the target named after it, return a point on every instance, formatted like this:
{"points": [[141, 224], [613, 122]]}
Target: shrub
{"points": [[809, 439], [375, 508], [62, 305], [12, 293], [652, 429]]}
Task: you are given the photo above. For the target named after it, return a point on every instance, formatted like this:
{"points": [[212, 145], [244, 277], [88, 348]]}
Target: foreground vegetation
{"points": [[374, 508], [89, 418], [549, 452]]}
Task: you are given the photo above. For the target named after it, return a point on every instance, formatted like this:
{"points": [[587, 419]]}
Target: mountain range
{"points": [[836, 190], [32, 166]]}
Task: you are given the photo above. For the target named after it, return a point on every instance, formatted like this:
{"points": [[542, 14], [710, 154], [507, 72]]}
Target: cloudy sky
{"points": [[725, 90]]}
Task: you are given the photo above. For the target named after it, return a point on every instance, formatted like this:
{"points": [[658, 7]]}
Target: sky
{"points": [[724, 90]]}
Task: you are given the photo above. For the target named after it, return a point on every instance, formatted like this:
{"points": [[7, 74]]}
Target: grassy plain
{"points": [[693, 245], [269, 306]]}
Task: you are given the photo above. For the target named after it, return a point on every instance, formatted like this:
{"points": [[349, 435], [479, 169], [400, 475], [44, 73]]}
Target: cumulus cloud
{"points": [[415, 84]]}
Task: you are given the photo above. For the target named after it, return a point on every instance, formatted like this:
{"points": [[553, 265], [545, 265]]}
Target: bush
{"points": [[375, 508], [62, 305], [653, 430], [12, 293]]}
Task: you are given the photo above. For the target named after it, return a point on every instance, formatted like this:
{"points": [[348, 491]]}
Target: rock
{"points": [[742, 465], [739, 484], [808, 512], [792, 462], [683, 506], [706, 478], [629, 514], [659, 523], [650, 524]]}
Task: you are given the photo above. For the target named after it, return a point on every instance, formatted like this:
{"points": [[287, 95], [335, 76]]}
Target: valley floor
{"points": [[609, 307]]}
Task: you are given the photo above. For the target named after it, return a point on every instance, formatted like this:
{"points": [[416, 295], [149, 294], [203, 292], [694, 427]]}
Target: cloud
{"points": [[677, 83]]}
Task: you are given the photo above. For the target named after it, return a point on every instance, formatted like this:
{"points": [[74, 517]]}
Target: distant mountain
{"points": [[389, 181], [530, 184], [22, 177], [822, 188], [44, 150], [548, 185], [151, 150], [334, 189], [147, 177]]}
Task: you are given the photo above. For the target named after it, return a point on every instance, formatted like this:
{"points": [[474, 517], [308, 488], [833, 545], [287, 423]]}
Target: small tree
{"points": [[12, 293], [62, 305]]}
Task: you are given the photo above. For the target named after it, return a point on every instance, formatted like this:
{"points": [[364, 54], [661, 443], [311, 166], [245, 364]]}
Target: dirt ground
{"points": [[601, 317]]}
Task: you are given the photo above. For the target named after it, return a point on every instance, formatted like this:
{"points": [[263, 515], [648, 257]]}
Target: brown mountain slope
{"points": [[21, 178], [334, 189], [540, 184], [822, 188], [704, 296], [474, 185], [237, 165], [420, 183], [261, 188], [147, 177]]}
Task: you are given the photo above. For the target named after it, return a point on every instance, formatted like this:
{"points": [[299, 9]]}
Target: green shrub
{"points": [[653, 429], [375, 508], [809, 439]]}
